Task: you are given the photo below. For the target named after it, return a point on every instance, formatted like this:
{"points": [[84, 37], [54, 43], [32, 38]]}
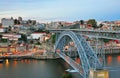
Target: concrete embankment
{"points": [[15, 57], [47, 55]]}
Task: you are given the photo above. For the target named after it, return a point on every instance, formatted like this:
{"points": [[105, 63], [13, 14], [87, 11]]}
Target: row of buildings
{"points": [[6, 22], [13, 30], [106, 25]]}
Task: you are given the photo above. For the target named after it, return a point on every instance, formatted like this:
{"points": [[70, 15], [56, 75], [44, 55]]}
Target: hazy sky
{"points": [[66, 10]]}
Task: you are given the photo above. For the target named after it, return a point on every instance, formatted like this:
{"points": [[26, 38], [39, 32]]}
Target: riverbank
{"points": [[37, 55], [45, 56]]}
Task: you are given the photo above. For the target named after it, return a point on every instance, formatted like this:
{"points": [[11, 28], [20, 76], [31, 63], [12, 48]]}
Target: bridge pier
{"points": [[100, 50], [98, 74]]}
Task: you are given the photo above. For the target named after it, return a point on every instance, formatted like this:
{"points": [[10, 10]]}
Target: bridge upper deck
{"points": [[92, 33]]}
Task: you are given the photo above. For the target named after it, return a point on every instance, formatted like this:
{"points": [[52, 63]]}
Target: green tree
{"points": [[47, 31], [53, 38], [100, 25], [15, 21], [18, 22], [38, 43], [9, 28], [61, 24], [81, 22], [29, 21], [24, 37], [0, 37], [4, 40], [39, 30], [92, 22], [34, 22], [105, 40]]}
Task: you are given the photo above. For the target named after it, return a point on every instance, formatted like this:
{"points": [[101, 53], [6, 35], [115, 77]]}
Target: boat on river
{"points": [[71, 70]]}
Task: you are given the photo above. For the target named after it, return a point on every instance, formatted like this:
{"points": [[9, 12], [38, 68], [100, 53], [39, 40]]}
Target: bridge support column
{"points": [[103, 52], [100, 50], [99, 74], [97, 46]]}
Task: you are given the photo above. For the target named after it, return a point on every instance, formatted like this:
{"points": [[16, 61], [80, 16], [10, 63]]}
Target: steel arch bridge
{"points": [[88, 58]]}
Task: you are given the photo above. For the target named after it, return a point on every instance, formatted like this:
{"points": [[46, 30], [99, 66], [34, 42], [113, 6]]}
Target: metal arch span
{"points": [[88, 57]]}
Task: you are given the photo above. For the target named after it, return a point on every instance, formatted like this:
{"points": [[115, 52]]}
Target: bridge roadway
{"points": [[91, 33]]}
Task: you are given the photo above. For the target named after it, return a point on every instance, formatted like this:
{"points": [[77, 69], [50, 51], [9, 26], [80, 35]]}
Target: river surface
{"points": [[29, 68]]}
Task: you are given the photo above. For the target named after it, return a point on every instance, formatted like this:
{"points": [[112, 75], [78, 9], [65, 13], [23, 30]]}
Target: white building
{"points": [[40, 36], [7, 22], [2, 30], [11, 36], [53, 25]]}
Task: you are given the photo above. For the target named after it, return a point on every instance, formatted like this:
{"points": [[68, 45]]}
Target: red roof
{"points": [[117, 41], [1, 27]]}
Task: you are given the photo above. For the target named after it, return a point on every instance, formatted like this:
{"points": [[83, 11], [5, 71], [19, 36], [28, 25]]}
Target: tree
{"points": [[9, 28], [18, 22], [3, 40], [38, 43], [60, 24], [105, 40], [39, 30], [24, 37], [100, 25], [81, 22], [30, 22], [0, 37], [34, 22], [93, 23], [15, 21], [6, 30], [47, 31], [53, 38]]}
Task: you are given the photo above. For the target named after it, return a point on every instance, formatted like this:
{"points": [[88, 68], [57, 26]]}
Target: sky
{"points": [[61, 10]]}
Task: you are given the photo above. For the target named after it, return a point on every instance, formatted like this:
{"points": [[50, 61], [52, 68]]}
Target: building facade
{"points": [[7, 22]]}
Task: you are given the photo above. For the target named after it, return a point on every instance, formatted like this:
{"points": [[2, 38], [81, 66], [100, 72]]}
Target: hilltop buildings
{"points": [[7, 22]]}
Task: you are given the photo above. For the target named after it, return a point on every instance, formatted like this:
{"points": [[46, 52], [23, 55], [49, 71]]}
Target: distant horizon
{"points": [[65, 10], [41, 20]]}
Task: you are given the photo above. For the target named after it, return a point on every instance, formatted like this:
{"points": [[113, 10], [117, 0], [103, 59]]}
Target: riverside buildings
{"points": [[7, 22]]}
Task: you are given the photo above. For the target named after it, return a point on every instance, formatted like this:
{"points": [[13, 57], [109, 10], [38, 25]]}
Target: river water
{"points": [[29, 68]]}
